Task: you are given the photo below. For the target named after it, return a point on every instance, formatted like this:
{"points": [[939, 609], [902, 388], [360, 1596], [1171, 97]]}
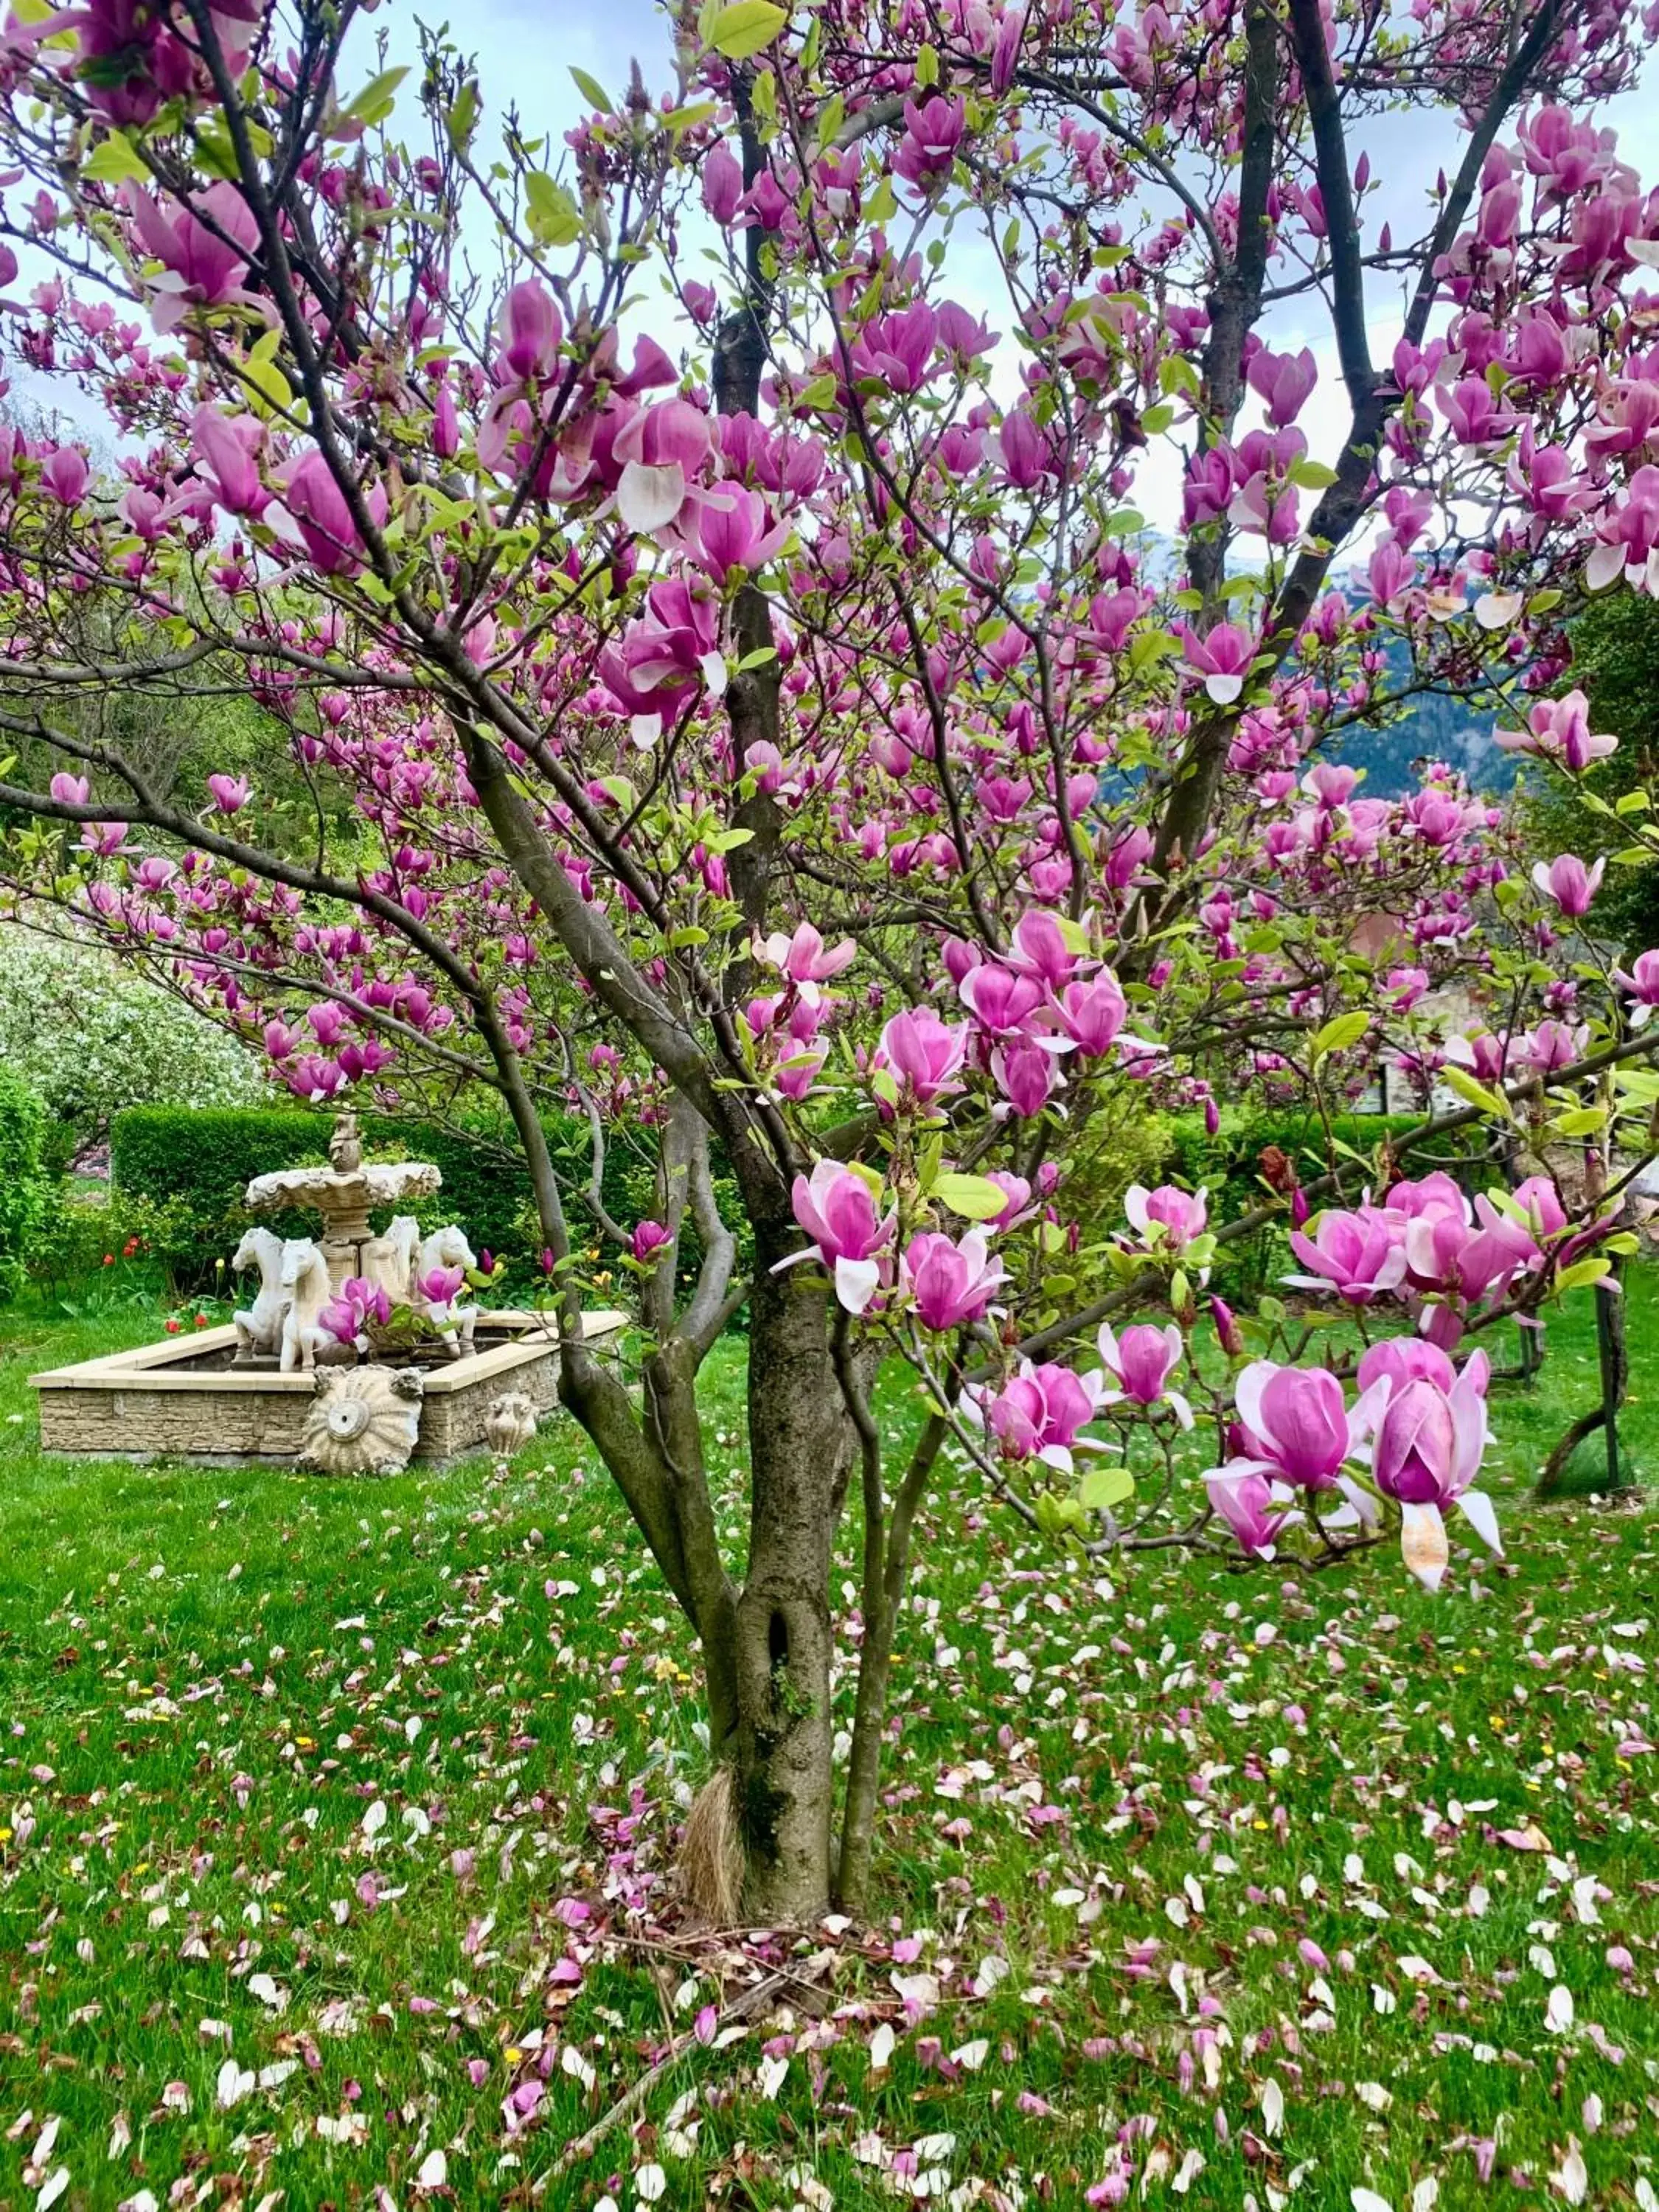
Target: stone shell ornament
{"points": [[363, 1420], [510, 1423]]}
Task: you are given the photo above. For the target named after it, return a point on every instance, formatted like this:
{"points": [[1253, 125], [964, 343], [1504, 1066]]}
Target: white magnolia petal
{"points": [[650, 498], [1479, 1511]]}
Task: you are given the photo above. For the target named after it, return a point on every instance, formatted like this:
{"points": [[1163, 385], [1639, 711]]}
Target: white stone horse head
{"points": [[305, 1290], [389, 1261], [446, 1247], [260, 1327]]}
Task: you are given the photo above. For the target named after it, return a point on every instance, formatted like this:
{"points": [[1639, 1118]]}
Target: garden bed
{"points": [[183, 1399]]}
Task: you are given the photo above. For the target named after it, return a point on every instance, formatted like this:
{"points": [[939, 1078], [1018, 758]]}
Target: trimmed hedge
{"points": [[24, 1185]]}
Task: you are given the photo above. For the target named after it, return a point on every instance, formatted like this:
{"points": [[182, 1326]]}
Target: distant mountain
{"points": [[1433, 728]]}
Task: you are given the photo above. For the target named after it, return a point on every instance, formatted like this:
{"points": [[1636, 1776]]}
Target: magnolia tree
{"points": [[694, 575]]}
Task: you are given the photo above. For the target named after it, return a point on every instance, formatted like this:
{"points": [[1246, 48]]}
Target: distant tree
{"points": [[1616, 655]]}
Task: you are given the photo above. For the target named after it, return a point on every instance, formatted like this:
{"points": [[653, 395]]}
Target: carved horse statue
{"points": [[447, 1248], [306, 1291], [389, 1261], [260, 1327]]}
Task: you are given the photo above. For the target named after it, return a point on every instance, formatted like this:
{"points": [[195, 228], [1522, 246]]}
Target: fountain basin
{"points": [[182, 1399]]}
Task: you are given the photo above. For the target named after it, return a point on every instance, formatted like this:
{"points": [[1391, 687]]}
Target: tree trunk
{"points": [[782, 1633]]}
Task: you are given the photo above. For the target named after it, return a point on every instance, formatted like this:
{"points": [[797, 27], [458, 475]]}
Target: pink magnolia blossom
{"points": [[1255, 1508], [1552, 1046], [950, 1284], [226, 449], [731, 530], [1284, 381], [530, 333], [1403, 1359], [1040, 948], [1026, 1076], [999, 999], [1428, 1199], [69, 790], [1425, 1453], [1297, 1426], [1559, 729], [1091, 1014], [1166, 1218], [1569, 883], [659, 449], [1141, 1361], [322, 517], [1641, 981], [647, 1239], [1360, 1255], [66, 472], [230, 793], [202, 255], [722, 183], [1541, 1201], [356, 1307], [1017, 1191], [933, 132], [837, 1210], [804, 960], [1222, 657], [922, 1054], [1038, 1412]]}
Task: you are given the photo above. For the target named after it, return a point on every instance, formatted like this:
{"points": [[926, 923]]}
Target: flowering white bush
{"points": [[89, 1039]]}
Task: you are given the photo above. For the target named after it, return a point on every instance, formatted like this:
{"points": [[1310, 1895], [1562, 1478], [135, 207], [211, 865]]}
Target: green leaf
{"points": [[1340, 1032], [462, 120], [976, 1197], [1476, 1094], [115, 160], [1580, 1121], [555, 218], [746, 28], [1580, 1273], [376, 101], [592, 90], [1157, 420], [690, 119], [1103, 1487], [1055, 1516], [1312, 476]]}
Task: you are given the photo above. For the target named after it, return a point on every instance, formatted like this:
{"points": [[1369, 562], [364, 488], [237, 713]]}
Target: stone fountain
{"points": [[270, 1385], [342, 1192]]}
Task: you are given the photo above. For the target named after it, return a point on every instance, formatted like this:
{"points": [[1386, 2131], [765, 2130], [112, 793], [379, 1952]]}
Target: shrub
{"points": [[91, 1040], [24, 1184], [82, 1233]]}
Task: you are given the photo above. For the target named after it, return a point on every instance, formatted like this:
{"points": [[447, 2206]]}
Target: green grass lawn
{"points": [[336, 1823]]}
